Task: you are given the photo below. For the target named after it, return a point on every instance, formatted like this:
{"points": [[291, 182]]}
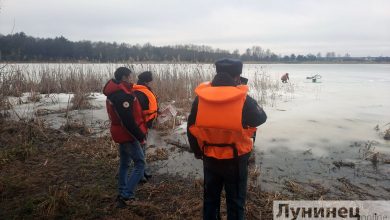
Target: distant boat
{"points": [[314, 77]]}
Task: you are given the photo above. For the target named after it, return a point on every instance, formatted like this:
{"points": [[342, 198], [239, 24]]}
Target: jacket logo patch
{"points": [[126, 104]]}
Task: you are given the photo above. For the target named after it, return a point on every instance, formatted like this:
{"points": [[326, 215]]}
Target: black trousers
{"points": [[231, 175]]}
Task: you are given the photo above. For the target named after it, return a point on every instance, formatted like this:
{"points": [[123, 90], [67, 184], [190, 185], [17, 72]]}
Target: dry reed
{"points": [[173, 83], [73, 177]]}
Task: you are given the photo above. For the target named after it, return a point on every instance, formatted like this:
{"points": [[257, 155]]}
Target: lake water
{"points": [[310, 127], [344, 105], [327, 122]]}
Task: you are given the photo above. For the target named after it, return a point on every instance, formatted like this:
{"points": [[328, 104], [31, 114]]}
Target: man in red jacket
{"points": [[128, 128]]}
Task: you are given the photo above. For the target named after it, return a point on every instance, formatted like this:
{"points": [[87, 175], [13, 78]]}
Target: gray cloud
{"points": [[358, 27]]}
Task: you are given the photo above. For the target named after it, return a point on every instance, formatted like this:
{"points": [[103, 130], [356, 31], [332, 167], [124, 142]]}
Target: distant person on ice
{"points": [[128, 128], [285, 78], [220, 127], [149, 104]]}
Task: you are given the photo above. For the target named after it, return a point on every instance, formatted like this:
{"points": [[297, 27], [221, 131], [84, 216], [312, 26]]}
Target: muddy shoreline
{"points": [[52, 173], [49, 173], [346, 169]]}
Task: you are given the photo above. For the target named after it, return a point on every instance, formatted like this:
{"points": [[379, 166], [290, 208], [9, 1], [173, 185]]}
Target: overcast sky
{"points": [[358, 27]]}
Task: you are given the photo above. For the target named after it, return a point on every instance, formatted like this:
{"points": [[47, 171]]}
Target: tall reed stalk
{"points": [[172, 82]]}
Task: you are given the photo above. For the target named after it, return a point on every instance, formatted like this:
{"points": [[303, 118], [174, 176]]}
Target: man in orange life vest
{"points": [[220, 127], [149, 104], [146, 97], [128, 128]]}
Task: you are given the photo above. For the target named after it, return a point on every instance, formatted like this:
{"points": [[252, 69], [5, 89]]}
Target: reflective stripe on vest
{"points": [[151, 113], [218, 126]]}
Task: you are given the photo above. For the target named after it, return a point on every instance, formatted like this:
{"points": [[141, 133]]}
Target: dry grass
{"points": [[383, 131], [48, 173], [158, 154], [173, 83], [34, 97], [46, 79], [78, 127], [368, 152], [4, 103], [308, 191], [55, 201], [353, 190], [5, 106], [74, 177], [176, 82], [80, 100], [265, 89], [386, 136]]}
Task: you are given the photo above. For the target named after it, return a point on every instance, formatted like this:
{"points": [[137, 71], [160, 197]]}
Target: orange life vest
{"points": [[150, 113], [218, 126]]}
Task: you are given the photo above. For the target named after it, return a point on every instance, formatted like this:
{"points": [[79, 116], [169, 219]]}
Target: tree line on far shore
{"points": [[19, 47]]}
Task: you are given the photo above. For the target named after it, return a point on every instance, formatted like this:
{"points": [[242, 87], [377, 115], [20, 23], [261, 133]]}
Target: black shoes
{"points": [[147, 176], [143, 180], [120, 202], [123, 202]]}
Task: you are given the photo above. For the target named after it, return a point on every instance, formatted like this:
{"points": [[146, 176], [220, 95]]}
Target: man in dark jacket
{"points": [[144, 81], [232, 173], [149, 104], [128, 128]]}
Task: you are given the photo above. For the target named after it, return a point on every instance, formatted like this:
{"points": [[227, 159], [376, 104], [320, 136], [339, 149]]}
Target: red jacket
{"points": [[125, 112]]}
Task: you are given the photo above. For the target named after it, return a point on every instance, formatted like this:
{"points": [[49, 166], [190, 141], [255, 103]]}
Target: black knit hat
{"points": [[232, 67], [145, 77], [120, 72]]}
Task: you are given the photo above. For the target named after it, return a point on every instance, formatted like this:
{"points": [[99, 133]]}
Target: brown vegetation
{"points": [[387, 134], [47, 173], [368, 152], [172, 82], [68, 173]]}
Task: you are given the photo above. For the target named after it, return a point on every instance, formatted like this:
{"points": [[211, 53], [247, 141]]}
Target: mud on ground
{"points": [[47, 173]]}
